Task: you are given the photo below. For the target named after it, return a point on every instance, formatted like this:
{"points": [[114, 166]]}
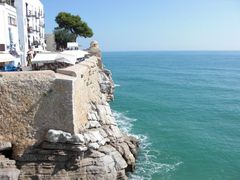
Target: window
{"points": [[12, 21], [2, 47], [29, 13], [9, 2]]}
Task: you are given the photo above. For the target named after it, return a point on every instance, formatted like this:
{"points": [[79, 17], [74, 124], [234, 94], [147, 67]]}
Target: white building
{"points": [[30, 15], [9, 39]]}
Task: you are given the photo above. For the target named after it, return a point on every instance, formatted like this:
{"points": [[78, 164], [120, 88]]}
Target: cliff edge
{"points": [[60, 125]]}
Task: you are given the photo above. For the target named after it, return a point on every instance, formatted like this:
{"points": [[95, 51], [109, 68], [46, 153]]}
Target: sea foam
{"points": [[147, 164], [117, 85]]}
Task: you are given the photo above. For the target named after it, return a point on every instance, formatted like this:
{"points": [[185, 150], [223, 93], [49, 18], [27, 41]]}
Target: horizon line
{"points": [[171, 51]]}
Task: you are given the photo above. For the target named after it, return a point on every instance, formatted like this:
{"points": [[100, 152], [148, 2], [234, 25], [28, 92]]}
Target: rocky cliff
{"points": [[61, 126]]}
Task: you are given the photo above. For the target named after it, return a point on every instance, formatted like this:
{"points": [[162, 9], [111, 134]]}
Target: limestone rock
{"points": [[119, 161], [107, 149], [77, 139], [96, 154], [8, 169], [80, 148], [60, 146], [105, 115], [93, 146], [103, 133], [55, 136], [5, 146], [104, 141], [133, 144], [93, 116], [9, 173], [113, 131], [93, 124], [93, 136]]}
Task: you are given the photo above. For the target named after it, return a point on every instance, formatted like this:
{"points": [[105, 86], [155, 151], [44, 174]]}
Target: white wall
{"points": [[27, 18], [9, 29], [6, 28], [3, 26]]}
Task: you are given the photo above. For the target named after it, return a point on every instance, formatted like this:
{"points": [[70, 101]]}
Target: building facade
{"points": [[9, 39], [30, 15]]}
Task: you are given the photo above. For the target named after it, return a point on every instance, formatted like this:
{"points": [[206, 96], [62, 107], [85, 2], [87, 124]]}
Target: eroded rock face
{"points": [[107, 84], [99, 152], [8, 169]]}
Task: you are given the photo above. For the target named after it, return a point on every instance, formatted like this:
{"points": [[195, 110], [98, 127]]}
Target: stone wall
{"points": [[33, 102], [86, 90], [22, 96]]}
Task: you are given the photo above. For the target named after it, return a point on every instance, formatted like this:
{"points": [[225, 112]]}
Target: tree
{"points": [[73, 24], [62, 37]]}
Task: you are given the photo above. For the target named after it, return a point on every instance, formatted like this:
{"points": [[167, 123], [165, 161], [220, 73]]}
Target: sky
{"points": [[140, 25]]}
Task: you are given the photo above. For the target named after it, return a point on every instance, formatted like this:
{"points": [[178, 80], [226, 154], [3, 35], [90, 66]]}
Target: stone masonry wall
{"points": [[33, 102], [86, 90]]}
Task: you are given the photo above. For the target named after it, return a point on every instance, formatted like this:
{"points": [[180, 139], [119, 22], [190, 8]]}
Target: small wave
{"points": [[117, 85], [125, 123], [147, 164]]}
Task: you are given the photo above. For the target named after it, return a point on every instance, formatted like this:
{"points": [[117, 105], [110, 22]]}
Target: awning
{"points": [[44, 57], [54, 57], [76, 53], [70, 59], [6, 57]]}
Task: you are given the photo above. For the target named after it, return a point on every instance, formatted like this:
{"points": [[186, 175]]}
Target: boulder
{"points": [[56, 136], [120, 163], [8, 169], [77, 139], [93, 146], [93, 136], [93, 124], [5, 146]]}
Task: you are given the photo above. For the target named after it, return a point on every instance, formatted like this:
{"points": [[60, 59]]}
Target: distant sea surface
{"points": [[185, 108]]}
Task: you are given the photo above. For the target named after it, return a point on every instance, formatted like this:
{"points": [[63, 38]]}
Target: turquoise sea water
{"points": [[185, 108]]}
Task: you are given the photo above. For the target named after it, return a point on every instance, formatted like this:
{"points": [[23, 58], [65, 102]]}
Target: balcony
{"points": [[29, 13], [9, 2], [41, 23], [30, 29]]}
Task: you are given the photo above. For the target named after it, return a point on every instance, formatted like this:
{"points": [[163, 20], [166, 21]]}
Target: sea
{"points": [[185, 109]]}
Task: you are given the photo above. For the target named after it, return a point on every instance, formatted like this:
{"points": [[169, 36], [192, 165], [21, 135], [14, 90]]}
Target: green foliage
{"points": [[62, 37], [73, 24]]}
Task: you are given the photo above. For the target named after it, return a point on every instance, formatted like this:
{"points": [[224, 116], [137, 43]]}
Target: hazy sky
{"points": [[121, 25]]}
